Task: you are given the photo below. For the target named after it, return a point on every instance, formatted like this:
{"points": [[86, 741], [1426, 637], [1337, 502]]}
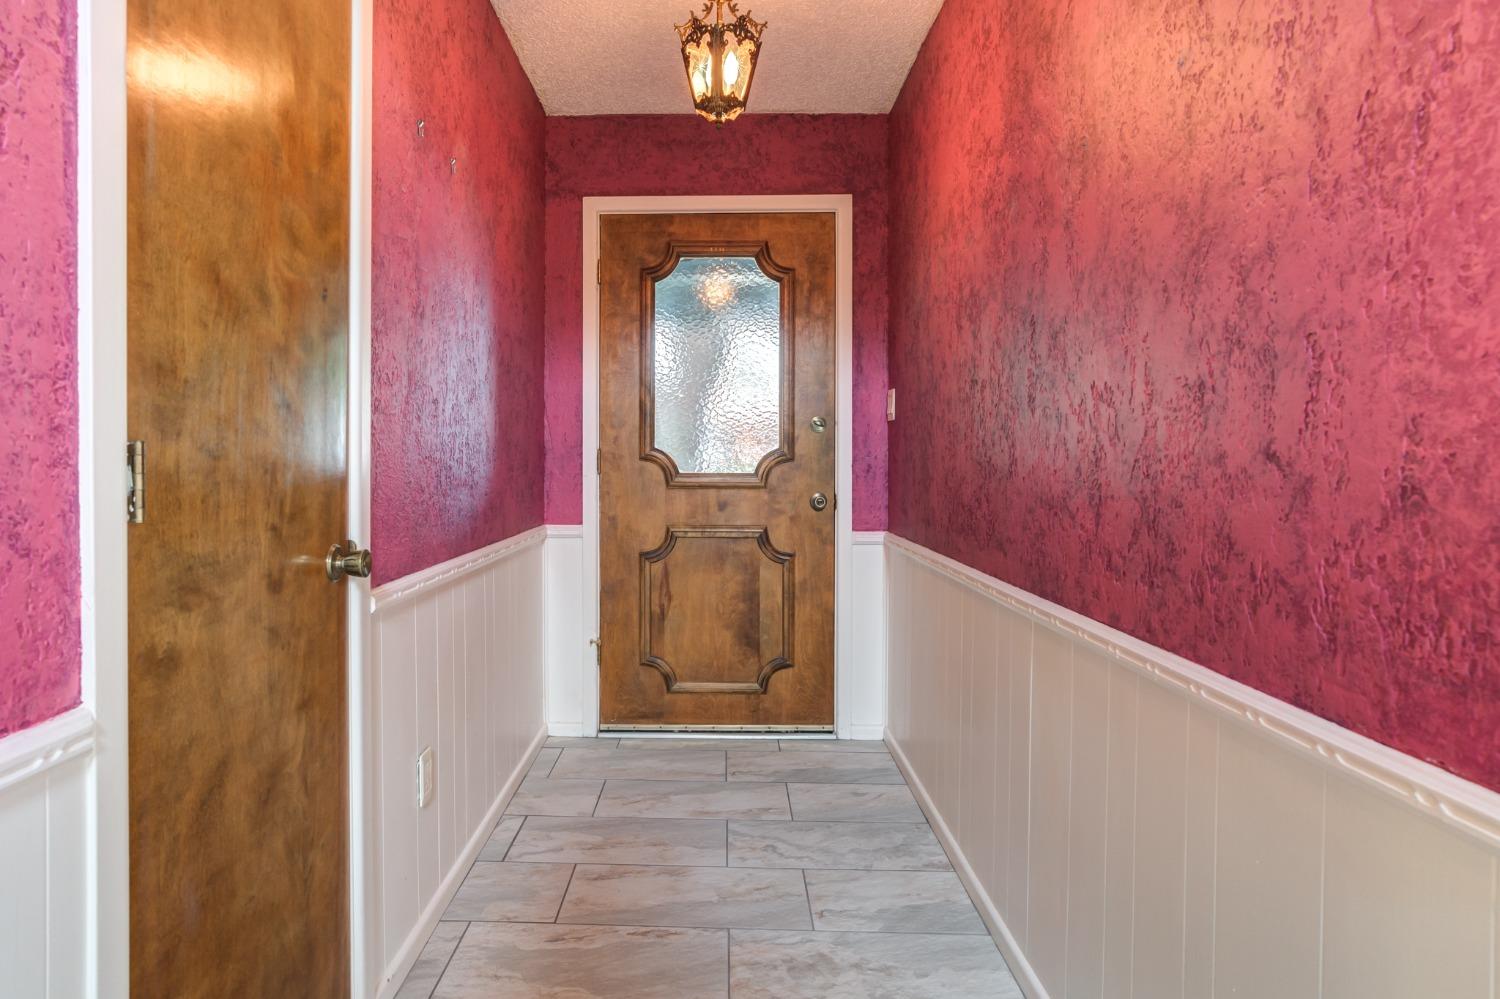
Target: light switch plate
{"points": [[426, 777], [890, 405]]}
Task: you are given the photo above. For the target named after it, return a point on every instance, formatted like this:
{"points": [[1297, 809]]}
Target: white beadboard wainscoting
{"points": [[457, 665], [1133, 824], [44, 858], [571, 615], [864, 681]]}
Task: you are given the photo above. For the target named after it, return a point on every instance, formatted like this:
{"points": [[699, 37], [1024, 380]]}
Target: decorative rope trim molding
{"points": [[33, 751], [1446, 797], [407, 588]]}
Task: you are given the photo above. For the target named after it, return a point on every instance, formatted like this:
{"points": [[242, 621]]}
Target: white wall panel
{"points": [[1134, 825], [44, 841], [458, 667], [865, 701]]}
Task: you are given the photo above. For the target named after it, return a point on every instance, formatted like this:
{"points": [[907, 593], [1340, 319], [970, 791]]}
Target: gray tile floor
{"points": [[678, 868]]}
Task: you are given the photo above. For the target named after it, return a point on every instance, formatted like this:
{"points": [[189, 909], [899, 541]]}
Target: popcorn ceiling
{"points": [[807, 64]]}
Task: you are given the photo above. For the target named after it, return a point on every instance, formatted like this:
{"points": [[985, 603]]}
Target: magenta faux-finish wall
{"points": [[39, 553], [1196, 328], [457, 234], [683, 155]]}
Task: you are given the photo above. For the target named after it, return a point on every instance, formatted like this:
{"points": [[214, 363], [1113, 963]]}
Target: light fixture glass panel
{"points": [[717, 365], [700, 68], [743, 55]]}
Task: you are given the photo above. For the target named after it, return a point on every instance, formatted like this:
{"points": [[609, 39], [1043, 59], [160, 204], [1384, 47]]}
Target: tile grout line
{"points": [[512, 844], [451, 954], [812, 921], [947, 934], [562, 900]]}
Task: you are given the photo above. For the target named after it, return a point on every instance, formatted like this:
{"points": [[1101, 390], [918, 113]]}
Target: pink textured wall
{"points": [[39, 568], [457, 286], [1196, 324], [680, 155]]}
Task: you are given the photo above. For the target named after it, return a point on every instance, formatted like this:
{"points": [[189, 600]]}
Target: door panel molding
{"points": [[658, 556], [841, 206]]}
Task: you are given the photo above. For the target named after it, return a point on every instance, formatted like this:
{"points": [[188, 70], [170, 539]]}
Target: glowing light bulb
{"points": [[731, 68], [716, 289]]}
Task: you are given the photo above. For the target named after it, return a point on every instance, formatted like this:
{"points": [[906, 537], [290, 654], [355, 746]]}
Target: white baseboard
{"points": [[1024, 974], [1132, 822], [411, 949]]}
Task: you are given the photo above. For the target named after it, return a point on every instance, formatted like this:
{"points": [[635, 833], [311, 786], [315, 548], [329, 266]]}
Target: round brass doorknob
{"points": [[818, 502], [348, 559]]}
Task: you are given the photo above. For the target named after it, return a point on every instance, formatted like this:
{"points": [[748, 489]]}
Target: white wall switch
{"points": [[426, 777], [890, 405]]}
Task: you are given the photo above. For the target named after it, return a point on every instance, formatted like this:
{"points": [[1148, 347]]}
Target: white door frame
{"points": [[841, 206], [101, 486]]}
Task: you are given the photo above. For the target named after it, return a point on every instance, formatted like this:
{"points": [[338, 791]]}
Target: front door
{"points": [[238, 340], [716, 471]]}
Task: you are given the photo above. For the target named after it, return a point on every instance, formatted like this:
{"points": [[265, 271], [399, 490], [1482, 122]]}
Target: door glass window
{"points": [[716, 360]]}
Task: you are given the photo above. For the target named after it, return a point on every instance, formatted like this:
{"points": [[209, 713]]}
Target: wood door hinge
{"points": [[599, 272], [598, 651], [135, 493], [598, 461]]}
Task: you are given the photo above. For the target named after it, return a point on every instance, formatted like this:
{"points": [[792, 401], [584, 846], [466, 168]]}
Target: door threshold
{"points": [[747, 731]]}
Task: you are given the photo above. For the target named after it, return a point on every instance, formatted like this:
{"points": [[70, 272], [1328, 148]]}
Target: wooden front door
{"points": [[238, 346], [716, 471]]}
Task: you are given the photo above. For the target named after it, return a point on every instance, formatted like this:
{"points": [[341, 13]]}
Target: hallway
{"points": [[700, 867]]}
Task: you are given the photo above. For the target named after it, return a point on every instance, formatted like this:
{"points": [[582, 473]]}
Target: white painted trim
{"points": [[842, 208], [564, 531], [1458, 803], [364, 877], [33, 751], [411, 948], [102, 433], [400, 591], [1010, 949]]}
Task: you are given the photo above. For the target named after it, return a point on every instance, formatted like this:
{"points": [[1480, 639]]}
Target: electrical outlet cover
{"points": [[426, 777]]}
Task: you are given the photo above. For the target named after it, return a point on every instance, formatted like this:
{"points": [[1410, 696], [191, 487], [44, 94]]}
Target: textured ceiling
{"points": [[622, 56]]}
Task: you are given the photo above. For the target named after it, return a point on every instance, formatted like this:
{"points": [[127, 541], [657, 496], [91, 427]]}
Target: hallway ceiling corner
{"points": [[812, 63]]}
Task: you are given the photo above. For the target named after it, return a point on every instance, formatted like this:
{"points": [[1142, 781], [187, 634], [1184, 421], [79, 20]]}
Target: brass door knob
{"points": [[819, 502], [348, 559]]}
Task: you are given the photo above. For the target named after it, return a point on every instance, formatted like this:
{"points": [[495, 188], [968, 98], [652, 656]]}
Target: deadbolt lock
{"points": [[819, 502], [819, 424], [348, 559]]}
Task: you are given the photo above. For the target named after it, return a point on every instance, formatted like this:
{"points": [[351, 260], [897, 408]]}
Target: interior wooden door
{"points": [[717, 471], [238, 341]]}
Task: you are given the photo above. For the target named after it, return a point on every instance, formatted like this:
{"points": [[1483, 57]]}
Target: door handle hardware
{"points": [[348, 559], [819, 424], [819, 502], [135, 495]]}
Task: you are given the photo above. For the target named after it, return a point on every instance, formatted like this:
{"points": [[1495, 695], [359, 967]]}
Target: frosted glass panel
{"points": [[718, 365]]}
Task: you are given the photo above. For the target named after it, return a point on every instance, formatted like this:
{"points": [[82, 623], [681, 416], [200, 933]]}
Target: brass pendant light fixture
{"points": [[720, 59]]}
